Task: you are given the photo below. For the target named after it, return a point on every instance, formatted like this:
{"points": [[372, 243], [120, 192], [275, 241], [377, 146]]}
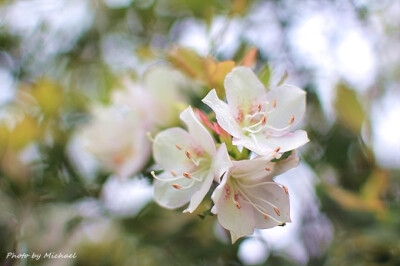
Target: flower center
{"points": [[185, 180], [256, 121]]}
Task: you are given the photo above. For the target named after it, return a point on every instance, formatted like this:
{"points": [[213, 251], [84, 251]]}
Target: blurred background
{"points": [[65, 66]]}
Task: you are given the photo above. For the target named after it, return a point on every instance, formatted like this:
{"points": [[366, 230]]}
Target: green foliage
{"points": [[348, 108], [264, 74]]}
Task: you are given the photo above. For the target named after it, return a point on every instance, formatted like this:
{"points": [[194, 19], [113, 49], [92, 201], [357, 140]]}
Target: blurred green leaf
{"points": [[376, 184], [239, 6], [283, 78], [348, 108], [264, 74], [48, 95], [24, 133], [217, 77], [188, 61]]}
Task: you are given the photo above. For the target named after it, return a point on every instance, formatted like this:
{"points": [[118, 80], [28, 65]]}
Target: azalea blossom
{"points": [[116, 136], [259, 120], [190, 161], [135, 98], [169, 90], [157, 97], [248, 198]]}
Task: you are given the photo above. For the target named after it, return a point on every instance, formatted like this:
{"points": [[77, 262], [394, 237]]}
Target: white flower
{"points": [[134, 97], [116, 136], [248, 198], [258, 120], [168, 89], [158, 96], [190, 162]]}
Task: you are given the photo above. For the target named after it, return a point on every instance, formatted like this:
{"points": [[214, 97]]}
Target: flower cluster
{"points": [[117, 133], [256, 142]]}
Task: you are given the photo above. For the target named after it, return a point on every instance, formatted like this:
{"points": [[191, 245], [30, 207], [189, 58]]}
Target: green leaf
{"points": [[283, 78], [348, 109], [283, 157], [264, 74]]}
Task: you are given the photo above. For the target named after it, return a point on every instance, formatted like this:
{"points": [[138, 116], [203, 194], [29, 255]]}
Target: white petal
{"points": [[274, 200], [261, 169], [139, 155], [284, 165], [263, 145], [198, 196], [198, 131], [165, 83], [221, 162], [256, 144], [239, 221], [168, 196], [243, 89], [254, 168], [165, 87], [167, 155], [224, 116], [290, 100], [287, 142]]}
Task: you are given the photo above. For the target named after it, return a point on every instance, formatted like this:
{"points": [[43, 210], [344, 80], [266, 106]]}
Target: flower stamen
{"points": [[261, 210], [259, 107], [177, 186], [235, 200], [263, 120], [258, 198], [291, 120], [278, 129], [179, 147], [166, 179]]}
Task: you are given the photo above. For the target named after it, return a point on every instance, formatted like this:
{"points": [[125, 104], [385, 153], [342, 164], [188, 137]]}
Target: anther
{"points": [[187, 175], [188, 154], [173, 173], [238, 205], [274, 103], [277, 149], [267, 169], [285, 189], [179, 147], [259, 107], [177, 186], [277, 211], [266, 216], [291, 120], [263, 120]]}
